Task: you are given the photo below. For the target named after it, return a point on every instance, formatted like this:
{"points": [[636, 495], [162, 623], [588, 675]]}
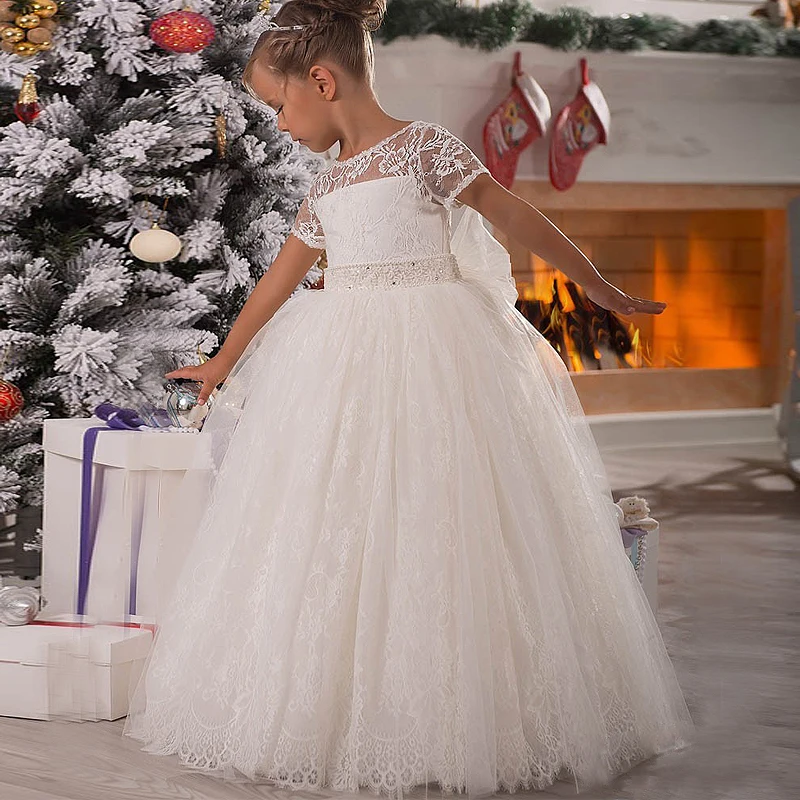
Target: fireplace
{"points": [[715, 254], [686, 203]]}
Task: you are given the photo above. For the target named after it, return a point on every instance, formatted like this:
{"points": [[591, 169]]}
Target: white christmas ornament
{"points": [[155, 245]]}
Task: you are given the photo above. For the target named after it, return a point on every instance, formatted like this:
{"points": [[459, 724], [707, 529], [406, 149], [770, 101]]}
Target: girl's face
{"points": [[302, 106]]}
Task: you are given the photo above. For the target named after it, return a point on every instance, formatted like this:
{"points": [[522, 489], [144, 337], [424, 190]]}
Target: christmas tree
{"points": [[128, 134]]}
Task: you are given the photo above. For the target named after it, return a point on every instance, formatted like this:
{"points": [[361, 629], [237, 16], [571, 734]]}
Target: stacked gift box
{"points": [[70, 667], [109, 494], [100, 552]]}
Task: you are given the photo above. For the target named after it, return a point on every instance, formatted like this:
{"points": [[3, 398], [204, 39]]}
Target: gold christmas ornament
{"points": [[12, 34], [7, 13], [221, 126], [43, 8], [35, 21], [40, 36], [27, 21], [155, 245], [27, 92], [26, 48]]}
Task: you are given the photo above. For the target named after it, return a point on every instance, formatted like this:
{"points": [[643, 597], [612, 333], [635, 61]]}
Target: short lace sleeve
{"points": [[307, 227], [447, 166]]}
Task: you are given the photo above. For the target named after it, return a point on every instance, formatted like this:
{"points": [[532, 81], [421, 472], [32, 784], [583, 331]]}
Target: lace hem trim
{"points": [[452, 201], [312, 242]]}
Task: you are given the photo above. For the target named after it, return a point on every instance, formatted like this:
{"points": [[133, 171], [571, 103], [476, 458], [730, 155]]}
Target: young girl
{"points": [[408, 568]]}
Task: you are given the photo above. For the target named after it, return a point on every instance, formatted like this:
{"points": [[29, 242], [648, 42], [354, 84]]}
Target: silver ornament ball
{"points": [[19, 605], [181, 403]]}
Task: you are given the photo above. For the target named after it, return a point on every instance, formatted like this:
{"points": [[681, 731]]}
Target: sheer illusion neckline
{"points": [[376, 145]]}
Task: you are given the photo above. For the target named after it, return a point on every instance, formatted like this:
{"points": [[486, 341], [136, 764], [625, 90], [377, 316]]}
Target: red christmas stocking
{"points": [[580, 126], [514, 124]]}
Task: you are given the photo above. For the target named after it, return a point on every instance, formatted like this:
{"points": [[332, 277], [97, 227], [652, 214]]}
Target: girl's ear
{"points": [[323, 82]]}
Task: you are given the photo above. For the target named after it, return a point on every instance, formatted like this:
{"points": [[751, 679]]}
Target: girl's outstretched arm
{"points": [[522, 222]]}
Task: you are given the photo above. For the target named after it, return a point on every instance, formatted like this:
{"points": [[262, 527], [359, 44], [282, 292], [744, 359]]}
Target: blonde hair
{"points": [[336, 30]]}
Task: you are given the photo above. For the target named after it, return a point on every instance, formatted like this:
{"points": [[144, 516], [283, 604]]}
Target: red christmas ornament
{"points": [[27, 112], [182, 31], [27, 107], [11, 401], [521, 118], [579, 127]]}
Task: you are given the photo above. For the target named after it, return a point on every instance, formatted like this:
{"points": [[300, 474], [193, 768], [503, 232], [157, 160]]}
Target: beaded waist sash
{"points": [[393, 274]]}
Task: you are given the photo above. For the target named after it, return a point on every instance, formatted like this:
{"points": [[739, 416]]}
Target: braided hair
{"points": [[334, 30]]}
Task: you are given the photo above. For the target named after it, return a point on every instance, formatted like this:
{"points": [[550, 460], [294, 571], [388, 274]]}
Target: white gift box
{"points": [[135, 478], [70, 672]]}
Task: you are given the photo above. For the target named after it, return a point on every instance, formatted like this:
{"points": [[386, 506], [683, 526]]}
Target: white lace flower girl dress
{"points": [[408, 568]]}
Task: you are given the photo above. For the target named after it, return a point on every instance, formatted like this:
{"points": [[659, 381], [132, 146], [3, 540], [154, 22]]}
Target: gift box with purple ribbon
{"points": [[108, 483]]}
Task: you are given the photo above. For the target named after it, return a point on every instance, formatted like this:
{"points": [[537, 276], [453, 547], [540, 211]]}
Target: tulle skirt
{"points": [[407, 568]]}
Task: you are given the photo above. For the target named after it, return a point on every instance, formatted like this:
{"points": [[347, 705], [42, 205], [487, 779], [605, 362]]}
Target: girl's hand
{"points": [[610, 297], [210, 373]]}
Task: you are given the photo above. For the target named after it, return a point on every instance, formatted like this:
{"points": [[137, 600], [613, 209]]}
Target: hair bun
{"points": [[369, 13]]}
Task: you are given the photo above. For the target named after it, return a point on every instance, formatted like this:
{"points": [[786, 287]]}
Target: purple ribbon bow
{"points": [[125, 419]]}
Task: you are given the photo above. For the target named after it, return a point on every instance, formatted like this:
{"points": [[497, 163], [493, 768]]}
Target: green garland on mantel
{"points": [[494, 26]]}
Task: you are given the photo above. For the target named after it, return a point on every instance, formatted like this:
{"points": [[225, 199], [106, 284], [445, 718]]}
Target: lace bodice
{"points": [[390, 202]]}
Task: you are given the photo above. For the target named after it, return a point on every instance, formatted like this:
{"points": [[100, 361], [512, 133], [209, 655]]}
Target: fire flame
{"points": [[584, 334]]}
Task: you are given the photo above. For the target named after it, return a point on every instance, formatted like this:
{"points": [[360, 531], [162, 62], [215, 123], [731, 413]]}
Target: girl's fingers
{"points": [[621, 303], [183, 372], [634, 304], [195, 374]]}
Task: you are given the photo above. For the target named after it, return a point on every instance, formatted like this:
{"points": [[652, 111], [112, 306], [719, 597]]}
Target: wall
{"points": [[675, 117], [689, 10]]}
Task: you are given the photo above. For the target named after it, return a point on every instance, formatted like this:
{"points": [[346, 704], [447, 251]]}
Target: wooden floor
{"points": [[729, 611]]}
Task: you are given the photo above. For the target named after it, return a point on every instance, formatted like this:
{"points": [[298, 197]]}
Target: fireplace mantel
{"points": [[675, 117]]}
